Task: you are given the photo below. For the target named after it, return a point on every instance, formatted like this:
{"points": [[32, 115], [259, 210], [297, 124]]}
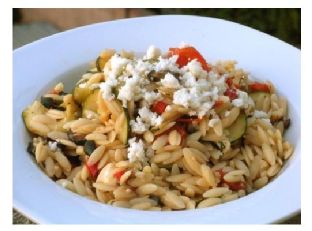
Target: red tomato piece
{"points": [[188, 54], [218, 103], [235, 186], [159, 107], [231, 93], [259, 87], [93, 169], [231, 84], [118, 174], [221, 173]]}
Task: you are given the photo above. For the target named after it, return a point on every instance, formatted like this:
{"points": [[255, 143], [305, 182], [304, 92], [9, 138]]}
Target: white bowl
{"points": [[64, 56]]}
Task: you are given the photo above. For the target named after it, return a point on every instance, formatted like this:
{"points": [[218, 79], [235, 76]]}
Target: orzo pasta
{"points": [[166, 131]]}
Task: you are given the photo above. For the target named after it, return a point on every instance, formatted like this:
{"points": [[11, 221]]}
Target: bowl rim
{"points": [[40, 218]]}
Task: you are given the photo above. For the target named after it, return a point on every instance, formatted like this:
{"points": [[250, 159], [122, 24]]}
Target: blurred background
{"points": [[32, 24]]}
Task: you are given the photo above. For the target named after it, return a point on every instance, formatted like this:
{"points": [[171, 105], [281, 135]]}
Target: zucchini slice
{"points": [[100, 63], [90, 103], [238, 128], [124, 130], [35, 109], [80, 94], [259, 97]]}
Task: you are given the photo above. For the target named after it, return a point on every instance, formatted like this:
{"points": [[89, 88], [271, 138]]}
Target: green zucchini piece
{"points": [[31, 149], [80, 94], [49, 102], [124, 130], [238, 128], [100, 63], [258, 98], [89, 147], [90, 103], [35, 109]]}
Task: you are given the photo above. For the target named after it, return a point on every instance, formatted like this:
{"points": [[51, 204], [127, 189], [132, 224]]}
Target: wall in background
{"points": [[281, 23]]}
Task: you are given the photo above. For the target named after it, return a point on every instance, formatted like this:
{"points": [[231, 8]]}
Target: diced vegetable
{"points": [[93, 170], [262, 87], [238, 128], [231, 93], [90, 104], [89, 147], [49, 102], [74, 160], [221, 173], [76, 138], [118, 174], [259, 98], [230, 83], [218, 145], [31, 148], [188, 54], [100, 63], [235, 186], [72, 109], [80, 94], [159, 107], [103, 58], [124, 130], [35, 109], [286, 123], [218, 103]]}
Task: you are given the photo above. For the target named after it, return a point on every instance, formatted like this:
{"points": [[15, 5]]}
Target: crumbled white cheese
{"points": [[198, 94], [117, 65], [136, 150], [139, 67], [145, 120], [188, 80], [107, 87], [182, 97], [137, 126], [152, 52], [196, 89], [52, 145], [213, 122], [130, 90], [242, 99], [196, 69], [150, 97], [150, 117], [167, 64], [170, 81]]}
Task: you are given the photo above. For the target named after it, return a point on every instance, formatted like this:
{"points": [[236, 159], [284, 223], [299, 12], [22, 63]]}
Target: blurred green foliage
{"points": [[281, 23]]}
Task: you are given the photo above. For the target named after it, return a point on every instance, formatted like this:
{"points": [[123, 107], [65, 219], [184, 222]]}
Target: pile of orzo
{"points": [[166, 131]]}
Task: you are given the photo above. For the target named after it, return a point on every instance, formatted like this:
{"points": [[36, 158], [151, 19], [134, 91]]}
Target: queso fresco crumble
{"points": [[164, 131]]}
